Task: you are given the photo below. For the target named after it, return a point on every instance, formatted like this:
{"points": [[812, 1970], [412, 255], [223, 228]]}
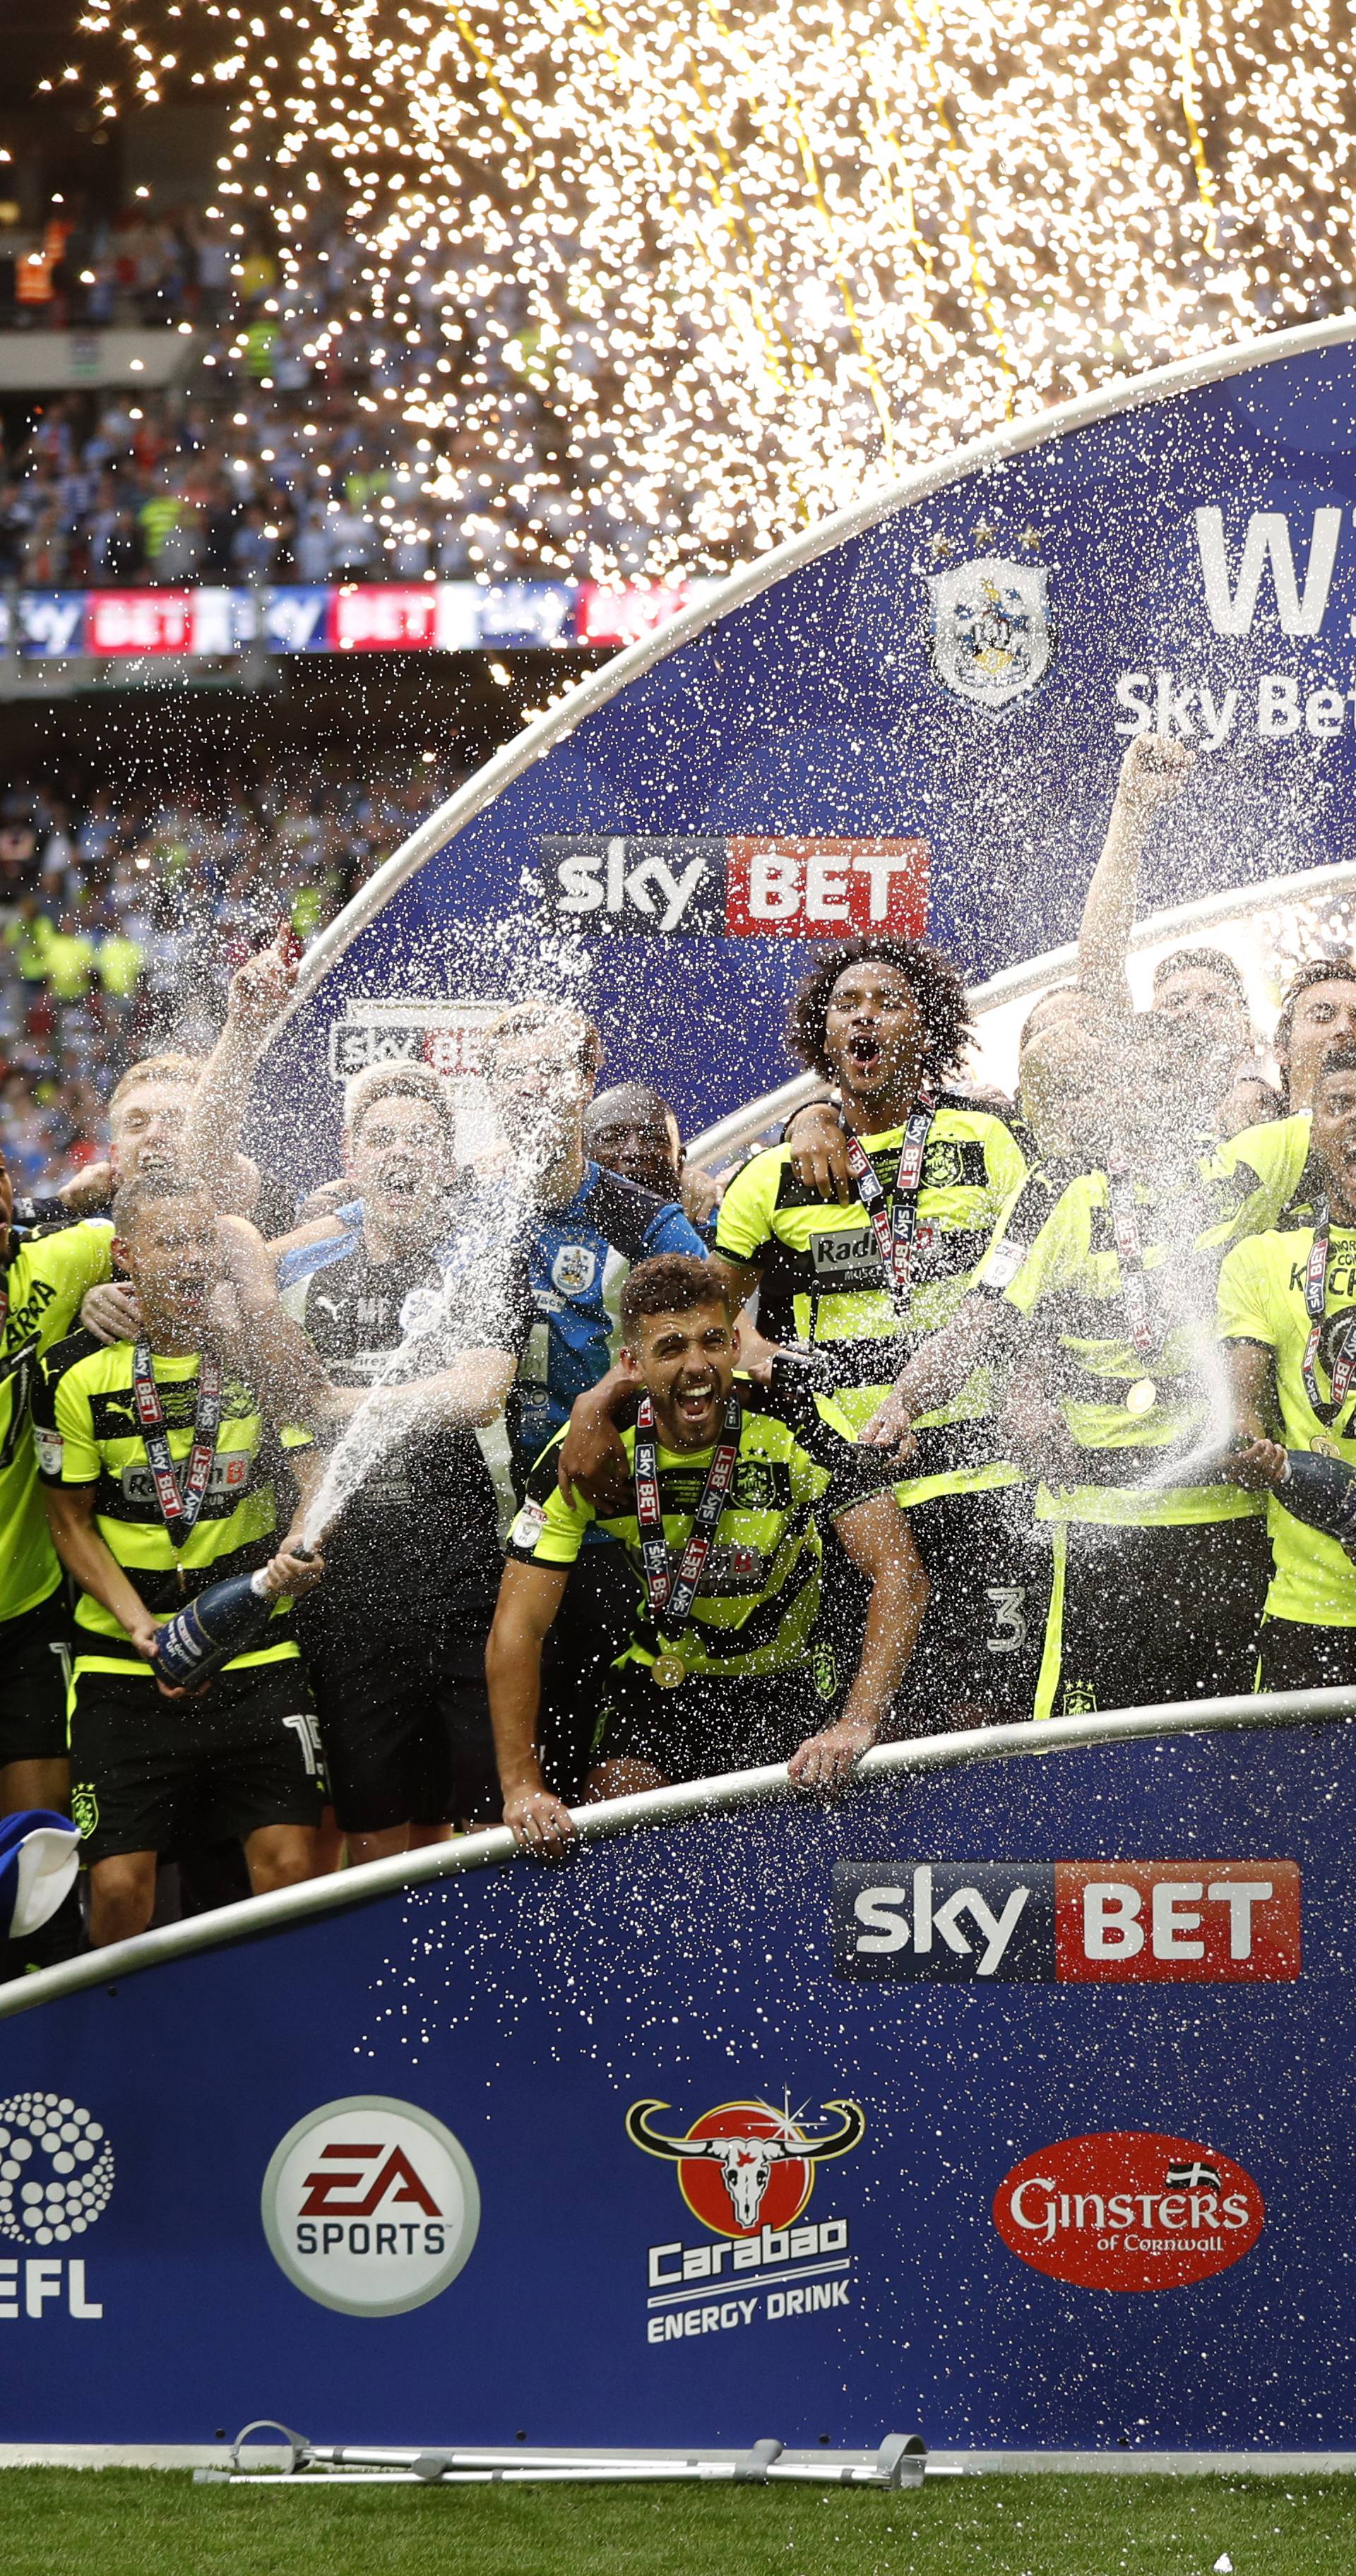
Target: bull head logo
{"points": [[746, 2163]]}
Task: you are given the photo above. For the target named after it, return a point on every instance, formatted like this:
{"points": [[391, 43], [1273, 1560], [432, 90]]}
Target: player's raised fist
{"points": [[1153, 771]]}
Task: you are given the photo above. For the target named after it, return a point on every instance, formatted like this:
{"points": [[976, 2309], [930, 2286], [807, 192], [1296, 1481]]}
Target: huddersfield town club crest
{"points": [[992, 630]]}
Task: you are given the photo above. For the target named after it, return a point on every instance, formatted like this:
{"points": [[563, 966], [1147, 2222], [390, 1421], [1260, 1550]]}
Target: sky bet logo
{"points": [[1068, 1922], [655, 885]]}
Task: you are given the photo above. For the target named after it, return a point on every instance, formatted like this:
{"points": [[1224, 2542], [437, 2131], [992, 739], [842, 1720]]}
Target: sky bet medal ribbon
{"points": [[179, 1505], [671, 1595], [1141, 1396], [1315, 1303], [896, 1235]]}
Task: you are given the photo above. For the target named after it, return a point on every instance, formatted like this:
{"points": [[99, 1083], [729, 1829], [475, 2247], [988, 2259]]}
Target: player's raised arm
{"points": [[1153, 772], [259, 993]]}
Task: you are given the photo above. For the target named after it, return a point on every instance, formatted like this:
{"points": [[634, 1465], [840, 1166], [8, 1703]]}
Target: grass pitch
{"points": [[128, 2522]]}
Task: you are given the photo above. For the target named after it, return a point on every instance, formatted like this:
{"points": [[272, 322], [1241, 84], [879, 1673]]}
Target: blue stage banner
{"points": [[1009, 2102], [916, 720]]}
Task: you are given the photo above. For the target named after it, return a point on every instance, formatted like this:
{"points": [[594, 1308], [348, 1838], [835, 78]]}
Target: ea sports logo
{"points": [[370, 2206], [56, 2169]]}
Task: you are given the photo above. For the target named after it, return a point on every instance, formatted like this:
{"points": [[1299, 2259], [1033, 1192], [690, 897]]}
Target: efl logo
{"points": [[744, 2167], [655, 885], [1068, 1922], [370, 2206], [1128, 2210], [56, 2179]]}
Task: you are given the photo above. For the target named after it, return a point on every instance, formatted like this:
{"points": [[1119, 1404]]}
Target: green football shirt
{"points": [[821, 1281], [46, 1279], [1070, 1291], [760, 1590], [87, 1433], [1261, 1299]]}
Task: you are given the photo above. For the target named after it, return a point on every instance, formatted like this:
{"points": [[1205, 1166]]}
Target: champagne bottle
{"points": [[1321, 1491], [222, 1622]]}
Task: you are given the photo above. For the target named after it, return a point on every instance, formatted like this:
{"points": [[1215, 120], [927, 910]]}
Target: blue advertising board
{"points": [[1009, 2101], [911, 717]]}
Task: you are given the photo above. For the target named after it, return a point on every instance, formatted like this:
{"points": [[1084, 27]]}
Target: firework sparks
{"points": [[723, 267]]}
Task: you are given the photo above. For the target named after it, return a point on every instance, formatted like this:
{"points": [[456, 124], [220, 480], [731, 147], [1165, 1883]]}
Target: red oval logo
{"points": [[739, 2193], [1128, 2210]]}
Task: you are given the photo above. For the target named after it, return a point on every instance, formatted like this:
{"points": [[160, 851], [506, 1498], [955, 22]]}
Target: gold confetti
{"points": [[724, 268]]}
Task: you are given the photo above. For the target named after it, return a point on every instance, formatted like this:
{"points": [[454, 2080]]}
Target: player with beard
{"points": [[854, 1283], [396, 1645], [719, 1520]]}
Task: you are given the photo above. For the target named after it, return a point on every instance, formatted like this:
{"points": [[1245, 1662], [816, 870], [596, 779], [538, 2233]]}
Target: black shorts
{"points": [[167, 1775], [1144, 1616], [35, 1652], [979, 1650], [405, 1722], [707, 1727], [1293, 1655]]}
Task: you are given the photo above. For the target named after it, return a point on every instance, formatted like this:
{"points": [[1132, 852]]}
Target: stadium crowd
{"points": [[297, 450], [120, 925], [567, 1472]]}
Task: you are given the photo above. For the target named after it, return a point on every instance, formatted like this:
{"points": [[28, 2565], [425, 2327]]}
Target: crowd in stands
{"points": [[119, 926], [295, 447], [563, 1473]]}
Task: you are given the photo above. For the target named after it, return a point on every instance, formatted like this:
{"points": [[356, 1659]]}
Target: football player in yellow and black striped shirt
{"points": [[43, 1278], [886, 1021], [1287, 1318], [1104, 1309], [154, 1770], [731, 1663]]}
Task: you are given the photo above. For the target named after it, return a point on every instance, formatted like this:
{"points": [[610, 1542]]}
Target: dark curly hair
{"points": [[673, 1283], [932, 979]]}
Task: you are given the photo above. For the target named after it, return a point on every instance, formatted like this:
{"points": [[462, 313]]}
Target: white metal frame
{"points": [[495, 1847]]}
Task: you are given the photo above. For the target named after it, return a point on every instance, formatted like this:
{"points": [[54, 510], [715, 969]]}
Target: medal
{"points": [[671, 1593], [1130, 1258], [1326, 1447], [899, 1234], [1141, 1397], [179, 1505], [1342, 1367]]}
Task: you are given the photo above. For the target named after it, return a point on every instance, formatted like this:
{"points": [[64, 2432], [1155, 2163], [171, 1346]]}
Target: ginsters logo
{"points": [[370, 2206], [1128, 2209], [746, 2172]]}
